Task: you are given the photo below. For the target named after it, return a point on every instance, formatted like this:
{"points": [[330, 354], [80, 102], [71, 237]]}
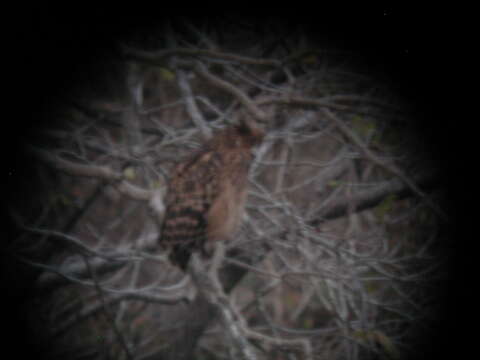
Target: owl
{"points": [[207, 193]]}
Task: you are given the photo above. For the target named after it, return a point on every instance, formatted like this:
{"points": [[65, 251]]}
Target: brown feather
{"points": [[207, 193]]}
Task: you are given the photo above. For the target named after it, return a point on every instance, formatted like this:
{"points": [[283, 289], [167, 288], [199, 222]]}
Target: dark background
{"points": [[64, 51]]}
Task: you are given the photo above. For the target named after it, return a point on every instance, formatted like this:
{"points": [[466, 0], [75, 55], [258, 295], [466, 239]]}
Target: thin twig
{"points": [[106, 311], [191, 105], [201, 70], [160, 57], [391, 168], [96, 171], [209, 286]]}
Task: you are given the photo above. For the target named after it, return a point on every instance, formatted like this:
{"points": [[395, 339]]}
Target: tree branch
{"points": [[209, 286], [95, 171], [201, 70], [169, 297], [370, 198], [362, 200], [233, 272], [106, 311], [329, 102], [191, 105], [391, 168], [160, 57]]}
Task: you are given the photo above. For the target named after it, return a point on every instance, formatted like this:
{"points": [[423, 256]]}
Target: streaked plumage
{"points": [[207, 193]]}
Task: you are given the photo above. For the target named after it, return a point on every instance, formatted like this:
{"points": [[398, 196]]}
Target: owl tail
{"points": [[180, 255]]}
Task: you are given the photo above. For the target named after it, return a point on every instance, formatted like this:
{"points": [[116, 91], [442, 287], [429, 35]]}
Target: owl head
{"points": [[249, 133]]}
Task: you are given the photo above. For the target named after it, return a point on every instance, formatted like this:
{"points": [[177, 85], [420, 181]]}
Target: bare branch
{"points": [[103, 264], [159, 57], [101, 172], [201, 70], [96, 171], [106, 311], [191, 105], [389, 167], [328, 102], [167, 295], [373, 196], [303, 345], [73, 242], [322, 269], [209, 286]]}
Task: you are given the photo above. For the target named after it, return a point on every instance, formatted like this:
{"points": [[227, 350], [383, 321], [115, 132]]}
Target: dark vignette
{"points": [[56, 54]]}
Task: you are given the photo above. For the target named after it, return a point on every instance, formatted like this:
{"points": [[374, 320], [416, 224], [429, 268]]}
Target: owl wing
{"points": [[193, 188]]}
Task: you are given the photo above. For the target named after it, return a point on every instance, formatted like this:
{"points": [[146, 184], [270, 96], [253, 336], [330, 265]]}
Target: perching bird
{"points": [[207, 193]]}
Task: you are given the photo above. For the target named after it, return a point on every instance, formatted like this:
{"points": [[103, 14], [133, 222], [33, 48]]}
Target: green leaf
{"points": [[308, 323], [372, 287], [380, 338], [167, 74], [129, 173], [156, 184], [387, 344], [59, 199], [362, 126], [334, 183], [311, 59], [64, 200], [385, 206]]}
